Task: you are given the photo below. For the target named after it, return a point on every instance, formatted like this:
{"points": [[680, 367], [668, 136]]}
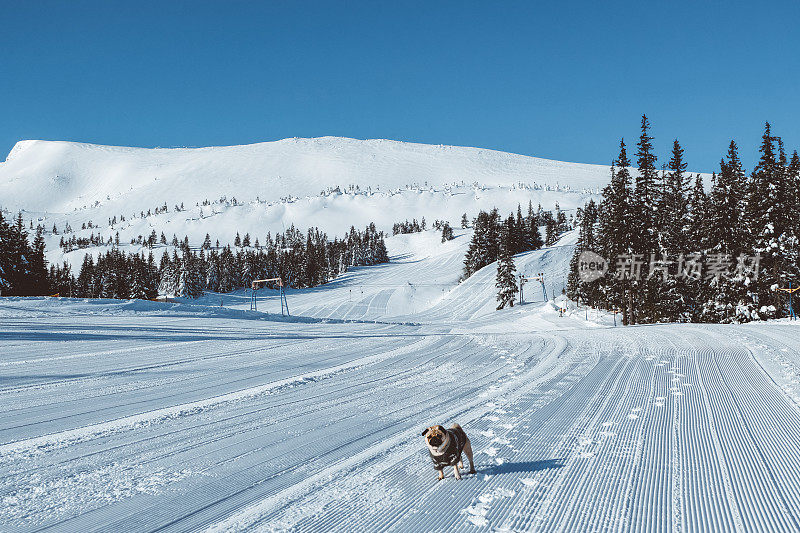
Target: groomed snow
{"points": [[130, 415]]}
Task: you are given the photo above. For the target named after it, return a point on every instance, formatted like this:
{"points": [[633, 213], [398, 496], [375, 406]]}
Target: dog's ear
{"points": [[426, 431], [441, 428]]}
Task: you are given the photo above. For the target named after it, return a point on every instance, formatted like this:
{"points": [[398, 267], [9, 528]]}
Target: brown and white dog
{"points": [[445, 447]]}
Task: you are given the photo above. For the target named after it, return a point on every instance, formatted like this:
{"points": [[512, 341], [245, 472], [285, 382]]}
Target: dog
{"points": [[445, 447]]}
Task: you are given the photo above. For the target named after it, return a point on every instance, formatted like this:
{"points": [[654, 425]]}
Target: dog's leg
{"points": [[457, 473], [468, 452], [441, 474]]}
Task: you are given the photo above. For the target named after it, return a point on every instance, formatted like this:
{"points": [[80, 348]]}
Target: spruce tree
{"points": [[576, 290], [674, 204], [534, 237], [447, 232], [646, 193], [506, 282], [38, 266], [727, 229], [616, 233], [6, 265]]}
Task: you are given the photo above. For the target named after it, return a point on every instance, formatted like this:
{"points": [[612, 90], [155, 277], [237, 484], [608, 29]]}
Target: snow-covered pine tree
{"points": [[674, 204], [534, 236], [483, 247], [138, 279], [168, 285], [587, 293], [647, 290], [561, 221], [506, 282], [5, 256], [520, 237], [615, 235], [38, 265], [550, 229], [646, 193], [763, 215], [447, 232]]}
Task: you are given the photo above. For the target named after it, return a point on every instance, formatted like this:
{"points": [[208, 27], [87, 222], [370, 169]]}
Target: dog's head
{"points": [[435, 435]]}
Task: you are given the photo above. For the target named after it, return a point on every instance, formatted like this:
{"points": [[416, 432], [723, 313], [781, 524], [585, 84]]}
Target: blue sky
{"points": [[551, 79]]}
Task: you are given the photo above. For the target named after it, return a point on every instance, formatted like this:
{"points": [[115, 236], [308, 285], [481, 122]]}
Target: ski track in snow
{"points": [[118, 419]]}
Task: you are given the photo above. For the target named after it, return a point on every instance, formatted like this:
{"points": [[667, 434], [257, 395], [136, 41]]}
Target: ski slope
{"points": [[147, 416], [420, 284]]}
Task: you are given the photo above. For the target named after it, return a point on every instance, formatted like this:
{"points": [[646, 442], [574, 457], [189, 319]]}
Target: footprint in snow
{"points": [[493, 418], [528, 482], [477, 512], [488, 434], [477, 515], [491, 451], [633, 416]]}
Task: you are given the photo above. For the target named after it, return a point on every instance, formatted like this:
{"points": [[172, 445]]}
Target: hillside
{"points": [[331, 183], [60, 177]]}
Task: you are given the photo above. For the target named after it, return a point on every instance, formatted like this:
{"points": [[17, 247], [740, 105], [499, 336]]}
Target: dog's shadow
{"points": [[521, 467]]}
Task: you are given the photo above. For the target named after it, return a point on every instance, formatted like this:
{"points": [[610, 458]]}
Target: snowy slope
{"points": [[334, 214], [421, 284], [275, 185], [64, 176], [157, 416]]}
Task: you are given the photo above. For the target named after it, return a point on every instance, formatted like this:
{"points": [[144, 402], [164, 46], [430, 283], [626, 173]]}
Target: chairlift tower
{"points": [[258, 284], [540, 278]]}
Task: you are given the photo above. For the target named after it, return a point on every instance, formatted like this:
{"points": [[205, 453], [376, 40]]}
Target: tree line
{"points": [[301, 260], [677, 252]]}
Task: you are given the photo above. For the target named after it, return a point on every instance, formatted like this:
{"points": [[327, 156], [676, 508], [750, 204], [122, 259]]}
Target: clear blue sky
{"points": [[551, 79]]}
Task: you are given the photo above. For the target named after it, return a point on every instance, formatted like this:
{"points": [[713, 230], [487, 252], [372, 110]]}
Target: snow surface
{"points": [[130, 415], [56, 176]]}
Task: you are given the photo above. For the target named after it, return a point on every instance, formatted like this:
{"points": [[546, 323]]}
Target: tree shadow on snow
{"points": [[521, 467]]}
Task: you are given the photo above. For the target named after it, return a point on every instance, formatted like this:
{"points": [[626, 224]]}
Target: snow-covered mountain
{"points": [[329, 182], [64, 176]]}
